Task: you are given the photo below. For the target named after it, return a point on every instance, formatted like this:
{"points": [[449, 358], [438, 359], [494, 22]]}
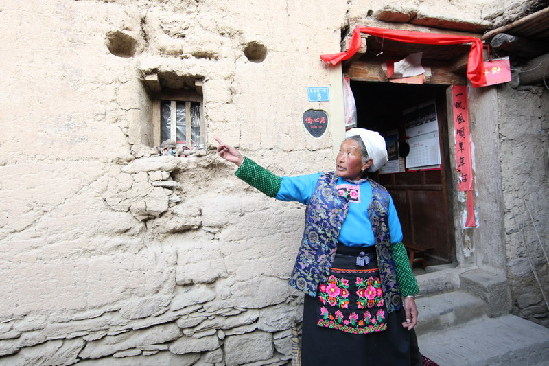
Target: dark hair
{"points": [[365, 156]]}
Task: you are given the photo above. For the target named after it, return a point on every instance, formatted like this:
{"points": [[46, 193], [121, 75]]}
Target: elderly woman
{"points": [[359, 307]]}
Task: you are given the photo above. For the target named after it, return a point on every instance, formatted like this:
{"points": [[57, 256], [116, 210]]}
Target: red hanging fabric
{"points": [[475, 70]]}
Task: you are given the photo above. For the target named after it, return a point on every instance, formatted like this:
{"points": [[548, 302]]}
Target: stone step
{"points": [[504, 341], [433, 281], [444, 310]]}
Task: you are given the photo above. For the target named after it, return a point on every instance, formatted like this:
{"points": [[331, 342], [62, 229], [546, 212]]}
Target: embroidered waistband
{"points": [[347, 250], [354, 270]]}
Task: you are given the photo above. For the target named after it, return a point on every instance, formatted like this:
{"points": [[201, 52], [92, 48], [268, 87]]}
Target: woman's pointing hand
{"points": [[229, 153]]}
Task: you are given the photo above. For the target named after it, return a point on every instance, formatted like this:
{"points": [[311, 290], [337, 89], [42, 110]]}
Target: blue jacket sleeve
{"points": [[395, 230], [299, 188]]}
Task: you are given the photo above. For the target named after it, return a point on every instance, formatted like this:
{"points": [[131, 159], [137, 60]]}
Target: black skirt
{"points": [[346, 323]]}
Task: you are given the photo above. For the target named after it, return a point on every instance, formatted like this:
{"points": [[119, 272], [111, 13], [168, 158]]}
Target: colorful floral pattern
{"points": [[349, 191], [335, 292], [369, 292], [354, 304]]}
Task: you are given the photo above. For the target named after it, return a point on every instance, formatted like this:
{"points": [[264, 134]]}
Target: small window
{"points": [[178, 120], [181, 121], [177, 113]]}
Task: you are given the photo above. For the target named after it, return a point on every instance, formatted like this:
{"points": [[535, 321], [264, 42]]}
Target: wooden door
{"points": [[422, 201]]}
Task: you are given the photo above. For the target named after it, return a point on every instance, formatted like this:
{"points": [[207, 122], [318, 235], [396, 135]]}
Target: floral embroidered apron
{"points": [[351, 299]]}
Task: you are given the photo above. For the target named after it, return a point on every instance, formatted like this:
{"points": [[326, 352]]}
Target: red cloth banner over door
{"points": [[464, 161], [475, 69]]}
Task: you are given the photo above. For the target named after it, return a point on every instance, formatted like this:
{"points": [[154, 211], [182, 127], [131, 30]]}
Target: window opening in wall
{"points": [[178, 125], [186, 130]]}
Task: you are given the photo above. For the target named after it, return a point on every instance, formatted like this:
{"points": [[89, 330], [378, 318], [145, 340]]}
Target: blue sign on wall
{"points": [[318, 94]]}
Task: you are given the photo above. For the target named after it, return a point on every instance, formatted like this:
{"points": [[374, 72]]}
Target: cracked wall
{"points": [[524, 128], [118, 257]]}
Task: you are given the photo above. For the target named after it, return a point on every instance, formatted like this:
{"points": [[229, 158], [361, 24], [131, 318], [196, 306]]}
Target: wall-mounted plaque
{"points": [[315, 121], [318, 94]]}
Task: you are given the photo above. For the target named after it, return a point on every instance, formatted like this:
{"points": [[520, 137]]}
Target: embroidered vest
{"points": [[324, 217]]}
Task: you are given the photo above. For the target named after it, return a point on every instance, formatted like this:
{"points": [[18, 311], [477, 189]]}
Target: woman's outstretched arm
{"points": [[298, 188], [249, 171]]}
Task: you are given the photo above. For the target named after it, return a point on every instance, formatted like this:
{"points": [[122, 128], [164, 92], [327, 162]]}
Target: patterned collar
{"points": [[358, 181]]}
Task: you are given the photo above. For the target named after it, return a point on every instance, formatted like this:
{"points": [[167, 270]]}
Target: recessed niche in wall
{"points": [[255, 52], [121, 44]]}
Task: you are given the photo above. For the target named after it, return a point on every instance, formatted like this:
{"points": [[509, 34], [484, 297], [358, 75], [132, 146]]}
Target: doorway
{"points": [[421, 193]]}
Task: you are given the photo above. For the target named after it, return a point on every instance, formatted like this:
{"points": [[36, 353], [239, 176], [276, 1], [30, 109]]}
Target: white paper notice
{"points": [[424, 151], [422, 129], [410, 66], [392, 166]]}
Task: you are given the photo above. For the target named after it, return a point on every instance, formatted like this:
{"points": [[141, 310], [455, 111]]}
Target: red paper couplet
{"points": [[464, 162], [471, 220]]}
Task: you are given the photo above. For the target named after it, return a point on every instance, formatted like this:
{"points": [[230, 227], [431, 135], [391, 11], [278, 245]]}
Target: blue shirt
{"points": [[356, 229]]}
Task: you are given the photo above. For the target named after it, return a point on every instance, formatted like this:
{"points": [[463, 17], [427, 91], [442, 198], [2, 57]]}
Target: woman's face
{"points": [[349, 160]]}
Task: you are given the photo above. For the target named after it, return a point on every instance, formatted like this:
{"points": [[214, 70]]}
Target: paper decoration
{"points": [[471, 217], [462, 138], [393, 166], [497, 71], [424, 151], [409, 66], [464, 162], [422, 136]]}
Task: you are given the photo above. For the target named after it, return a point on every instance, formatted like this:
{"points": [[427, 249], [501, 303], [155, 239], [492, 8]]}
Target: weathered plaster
{"points": [[112, 256], [523, 120]]}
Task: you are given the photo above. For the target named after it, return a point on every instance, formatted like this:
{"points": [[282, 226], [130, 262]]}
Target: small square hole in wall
{"points": [[177, 114]]}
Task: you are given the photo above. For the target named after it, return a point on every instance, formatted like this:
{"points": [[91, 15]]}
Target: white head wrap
{"points": [[375, 146]]}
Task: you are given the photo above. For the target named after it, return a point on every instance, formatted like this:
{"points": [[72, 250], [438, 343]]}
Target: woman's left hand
{"points": [[411, 313]]}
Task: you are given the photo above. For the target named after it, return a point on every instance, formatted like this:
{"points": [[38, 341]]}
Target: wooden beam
{"points": [[198, 84], [537, 16], [152, 83], [460, 65], [366, 71], [372, 71], [535, 71], [521, 47]]}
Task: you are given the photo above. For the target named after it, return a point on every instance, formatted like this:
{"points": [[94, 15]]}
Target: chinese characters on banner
{"points": [[497, 71], [463, 149]]}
